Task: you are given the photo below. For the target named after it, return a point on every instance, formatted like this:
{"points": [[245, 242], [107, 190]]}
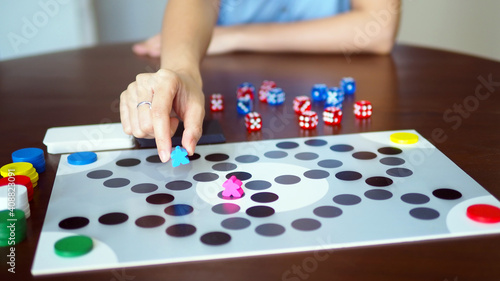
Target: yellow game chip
{"points": [[17, 168], [404, 138]]}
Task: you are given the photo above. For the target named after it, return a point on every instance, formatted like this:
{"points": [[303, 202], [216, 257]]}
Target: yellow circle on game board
{"points": [[404, 138], [17, 168]]}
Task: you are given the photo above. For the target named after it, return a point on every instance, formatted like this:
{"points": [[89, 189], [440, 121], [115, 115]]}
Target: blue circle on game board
{"points": [[235, 223], [315, 142], [270, 229], [330, 163], [287, 145], [99, 174], [276, 154], [82, 158], [178, 210], [247, 158], [258, 185]]}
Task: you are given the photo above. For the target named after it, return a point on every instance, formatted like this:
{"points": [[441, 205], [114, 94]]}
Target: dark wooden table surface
{"points": [[453, 100]]}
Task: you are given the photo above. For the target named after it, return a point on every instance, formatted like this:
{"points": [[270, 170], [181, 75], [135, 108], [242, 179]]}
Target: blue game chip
{"points": [[82, 158], [31, 155]]}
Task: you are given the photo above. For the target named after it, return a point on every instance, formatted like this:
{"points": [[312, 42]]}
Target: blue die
{"points": [[319, 92], [247, 85], [348, 85], [335, 97], [275, 96], [244, 105]]}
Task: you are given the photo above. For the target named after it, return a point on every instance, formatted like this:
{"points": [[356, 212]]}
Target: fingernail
{"points": [[164, 156]]}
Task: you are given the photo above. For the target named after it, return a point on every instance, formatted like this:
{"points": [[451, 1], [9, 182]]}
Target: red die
{"points": [[244, 93], [301, 104], [216, 102], [332, 115], [264, 89], [308, 120], [363, 109], [253, 121]]}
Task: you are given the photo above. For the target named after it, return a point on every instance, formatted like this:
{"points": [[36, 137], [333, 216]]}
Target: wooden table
{"points": [[451, 99]]}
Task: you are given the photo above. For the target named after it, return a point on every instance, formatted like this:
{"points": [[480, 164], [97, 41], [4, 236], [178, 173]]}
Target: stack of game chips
{"points": [[18, 180], [15, 197], [31, 155], [12, 227], [20, 168]]}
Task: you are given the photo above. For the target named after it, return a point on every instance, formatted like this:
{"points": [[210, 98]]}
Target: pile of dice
{"points": [[270, 93]]}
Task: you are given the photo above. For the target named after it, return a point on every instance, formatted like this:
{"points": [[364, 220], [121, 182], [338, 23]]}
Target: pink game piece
{"points": [[232, 187]]}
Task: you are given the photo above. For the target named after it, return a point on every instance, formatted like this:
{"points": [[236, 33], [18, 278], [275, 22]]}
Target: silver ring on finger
{"points": [[144, 102]]}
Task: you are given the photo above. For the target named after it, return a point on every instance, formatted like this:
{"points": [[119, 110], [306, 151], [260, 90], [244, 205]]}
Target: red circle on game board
{"points": [[484, 213]]}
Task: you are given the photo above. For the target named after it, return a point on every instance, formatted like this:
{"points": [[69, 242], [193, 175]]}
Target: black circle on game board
{"points": [[276, 154], [149, 221], [315, 142], [113, 218], [205, 177], [153, 159], [128, 162], [181, 230], [260, 211], [347, 199], [364, 155], [341, 147], [348, 175], [270, 229], [99, 174], [287, 179], [399, 172], [316, 174], [216, 157], [392, 161], [247, 158], [264, 197], [144, 188], [306, 224], [306, 156], [330, 163], [287, 145], [379, 181], [116, 182], [258, 185], [235, 223], [178, 210], [447, 194], [225, 208], [327, 211], [378, 194], [242, 176], [73, 222], [193, 157], [160, 198], [389, 150], [178, 185], [424, 213], [215, 238], [415, 198], [224, 167], [230, 197]]}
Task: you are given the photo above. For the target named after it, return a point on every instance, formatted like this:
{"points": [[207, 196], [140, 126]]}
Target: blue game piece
{"points": [[179, 156], [276, 96], [244, 105], [31, 155], [319, 92], [348, 85], [247, 85], [82, 158]]}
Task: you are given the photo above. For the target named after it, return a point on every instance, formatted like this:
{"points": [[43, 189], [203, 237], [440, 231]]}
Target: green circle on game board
{"points": [[73, 246]]}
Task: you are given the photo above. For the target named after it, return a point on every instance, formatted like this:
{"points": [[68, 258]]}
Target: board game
{"points": [[300, 194]]}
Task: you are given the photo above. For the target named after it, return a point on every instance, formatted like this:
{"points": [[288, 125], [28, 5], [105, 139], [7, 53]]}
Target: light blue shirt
{"points": [[234, 12]]}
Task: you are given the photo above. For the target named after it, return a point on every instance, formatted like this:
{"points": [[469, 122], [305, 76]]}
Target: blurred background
{"points": [[36, 27]]}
